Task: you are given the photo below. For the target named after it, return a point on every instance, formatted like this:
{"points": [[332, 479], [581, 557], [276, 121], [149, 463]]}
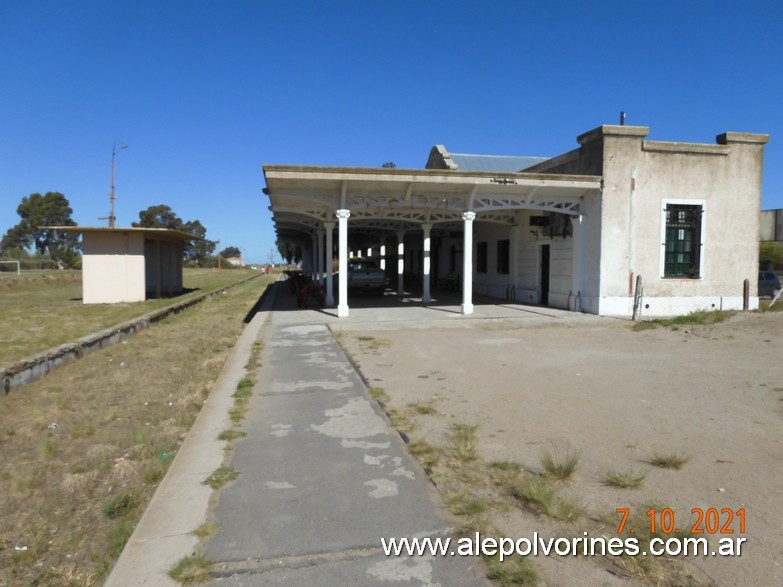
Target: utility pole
{"points": [[112, 218]]}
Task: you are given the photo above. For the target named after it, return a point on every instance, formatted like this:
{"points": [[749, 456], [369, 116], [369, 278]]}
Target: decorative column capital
{"points": [[426, 227], [343, 214], [329, 225], [469, 216]]}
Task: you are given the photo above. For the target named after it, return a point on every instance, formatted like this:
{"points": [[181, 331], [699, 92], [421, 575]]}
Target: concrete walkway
{"points": [[323, 475]]}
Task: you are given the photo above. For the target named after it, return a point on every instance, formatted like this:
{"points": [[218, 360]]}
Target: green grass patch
{"points": [[244, 388], [120, 505], [83, 430], [192, 569], [49, 449], [701, 318], [119, 535], [231, 434], [44, 309], [221, 476]]}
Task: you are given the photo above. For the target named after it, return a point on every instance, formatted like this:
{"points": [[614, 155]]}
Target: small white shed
{"points": [[130, 264]]}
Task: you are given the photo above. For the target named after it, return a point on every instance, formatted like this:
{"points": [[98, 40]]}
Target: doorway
{"points": [[544, 276]]}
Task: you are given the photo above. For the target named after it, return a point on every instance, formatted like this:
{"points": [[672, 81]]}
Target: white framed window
{"points": [[682, 238]]}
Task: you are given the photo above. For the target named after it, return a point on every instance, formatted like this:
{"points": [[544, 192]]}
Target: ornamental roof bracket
{"points": [[471, 197]]}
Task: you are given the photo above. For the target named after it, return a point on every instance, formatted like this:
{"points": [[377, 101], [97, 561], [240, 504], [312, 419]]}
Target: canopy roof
{"points": [[303, 198]]}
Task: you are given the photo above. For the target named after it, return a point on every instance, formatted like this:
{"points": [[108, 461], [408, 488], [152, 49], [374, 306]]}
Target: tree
{"points": [[291, 252], [198, 250], [229, 252], [38, 212], [162, 216], [770, 254]]}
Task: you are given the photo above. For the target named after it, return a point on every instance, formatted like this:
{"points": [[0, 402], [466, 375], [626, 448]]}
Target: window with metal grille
{"points": [[683, 241], [481, 257]]}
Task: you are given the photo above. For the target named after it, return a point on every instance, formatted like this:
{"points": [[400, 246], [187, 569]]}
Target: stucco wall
{"points": [[623, 229], [112, 268]]}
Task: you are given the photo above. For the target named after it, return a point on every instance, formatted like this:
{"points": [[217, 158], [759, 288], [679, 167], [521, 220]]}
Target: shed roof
{"points": [[158, 233]]}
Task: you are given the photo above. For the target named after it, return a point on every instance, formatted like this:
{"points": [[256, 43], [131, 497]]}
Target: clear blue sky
{"points": [[205, 92]]}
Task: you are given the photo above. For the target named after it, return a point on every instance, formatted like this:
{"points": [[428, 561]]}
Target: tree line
{"points": [[38, 213]]}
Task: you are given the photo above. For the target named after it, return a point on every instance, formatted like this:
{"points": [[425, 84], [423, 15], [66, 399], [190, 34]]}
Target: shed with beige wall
{"points": [[130, 264]]}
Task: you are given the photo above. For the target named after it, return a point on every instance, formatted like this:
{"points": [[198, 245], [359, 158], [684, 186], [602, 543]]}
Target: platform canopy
{"points": [[304, 197], [306, 201]]}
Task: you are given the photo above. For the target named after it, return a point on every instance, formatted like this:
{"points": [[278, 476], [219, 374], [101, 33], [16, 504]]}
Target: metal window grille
{"points": [[683, 241]]}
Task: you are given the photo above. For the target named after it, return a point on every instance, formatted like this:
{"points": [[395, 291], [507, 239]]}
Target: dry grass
{"points": [[84, 447], [560, 461], [44, 309], [673, 460], [631, 479]]}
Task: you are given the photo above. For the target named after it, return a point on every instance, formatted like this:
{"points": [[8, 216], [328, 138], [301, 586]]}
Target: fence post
{"points": [[746, 295], [637, 299]]}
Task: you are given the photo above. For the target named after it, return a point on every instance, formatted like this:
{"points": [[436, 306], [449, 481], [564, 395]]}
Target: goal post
{"points": [[18, 266]]}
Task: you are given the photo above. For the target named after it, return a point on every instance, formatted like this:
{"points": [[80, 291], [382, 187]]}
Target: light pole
{"points": [[122, 145]]}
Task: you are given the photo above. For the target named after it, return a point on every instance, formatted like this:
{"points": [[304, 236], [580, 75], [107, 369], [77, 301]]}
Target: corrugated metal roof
{"points": [[500, 163]]}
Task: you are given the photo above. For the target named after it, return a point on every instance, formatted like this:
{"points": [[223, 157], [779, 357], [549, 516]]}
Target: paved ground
{"points": [[324, 476]]}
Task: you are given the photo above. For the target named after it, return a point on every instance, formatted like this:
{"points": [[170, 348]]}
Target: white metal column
{"points": [[342, 263], [320, 252], [467, 262], [513, 259], [313, 257], [400, 261], [577, 260], [425, 294], [329, 227]]}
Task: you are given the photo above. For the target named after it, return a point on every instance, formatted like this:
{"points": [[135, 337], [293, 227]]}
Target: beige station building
{"points": [[576, 231]]}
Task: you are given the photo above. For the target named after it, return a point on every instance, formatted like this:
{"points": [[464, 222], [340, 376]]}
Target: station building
{"points": [[617, 225]]}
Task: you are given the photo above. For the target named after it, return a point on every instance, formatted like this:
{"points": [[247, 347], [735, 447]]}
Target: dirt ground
{"points": [[712, 393]]}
